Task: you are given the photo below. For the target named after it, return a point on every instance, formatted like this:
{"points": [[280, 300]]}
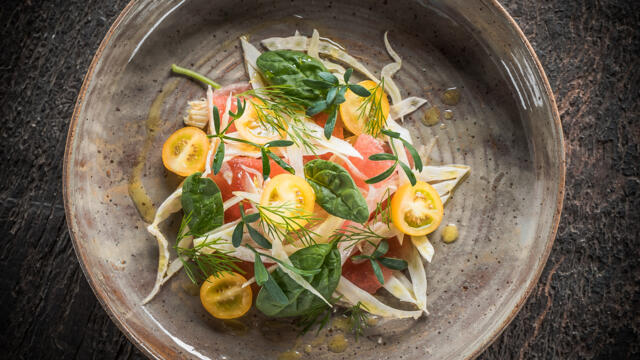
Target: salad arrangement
{"points": [[303, 186]]}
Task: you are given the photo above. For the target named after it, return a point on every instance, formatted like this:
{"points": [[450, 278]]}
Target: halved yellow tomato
{"points": [[224, 297], [355, 116], [416, 210], [252, 128], [291, 196], [185, 151]]}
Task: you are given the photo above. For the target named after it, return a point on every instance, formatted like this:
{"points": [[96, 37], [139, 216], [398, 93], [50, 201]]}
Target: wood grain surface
{"points": [[586, 304]]}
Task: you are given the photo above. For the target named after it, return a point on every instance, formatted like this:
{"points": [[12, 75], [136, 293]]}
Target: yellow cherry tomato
{"points": [[251, 128], [416, 210], [291, 195], [224, 297], [185, 151], [354, 116]]}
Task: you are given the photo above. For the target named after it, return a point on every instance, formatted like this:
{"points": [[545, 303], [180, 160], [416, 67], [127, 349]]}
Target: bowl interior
{"points": [[505, 127]]}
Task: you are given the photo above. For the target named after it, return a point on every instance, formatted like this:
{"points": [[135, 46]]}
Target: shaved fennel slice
{"points": [[406, 106], [294, 154], [171, 205], [197, 114], [418, 279], [210, 107], [399, 290], [176, 264], [314, 43], [334, 145], [277, 251], [251, 54], [424, 247], [403, 279], [244, 195], [326, 228], [354, 294], [389, 70], [300, 43], [443, 178]]}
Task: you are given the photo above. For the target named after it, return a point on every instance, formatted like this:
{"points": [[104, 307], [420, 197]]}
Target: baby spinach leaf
{"points": [[292, 68], [335, 190], [325, 257], [202, 199]]}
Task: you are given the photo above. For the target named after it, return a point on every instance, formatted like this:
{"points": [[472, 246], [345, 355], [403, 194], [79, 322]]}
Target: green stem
{"points": [[194, 75]]}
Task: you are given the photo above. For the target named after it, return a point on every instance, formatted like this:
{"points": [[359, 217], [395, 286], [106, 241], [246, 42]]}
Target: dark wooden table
{"points": [[586, 304]]}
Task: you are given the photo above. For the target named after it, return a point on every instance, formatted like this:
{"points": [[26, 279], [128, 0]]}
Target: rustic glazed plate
{"points": [[505, 126]]}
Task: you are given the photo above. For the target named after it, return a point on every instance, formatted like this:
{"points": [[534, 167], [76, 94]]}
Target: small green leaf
{"points": [[283, 164], [382, 157], [359, 90], [279, 143], [316, 84], [276, 293], [331, 123], [251, 218], [393, 134], [266, 167], [236, 238], [316, 107], [417, 161], [340, 96], [328, 77], [216, 119], [218, 158], [381, 249], [258, 238], [331, 95], [393, 263], [407, 170], [347, 75], [385, 174], [260, 271], [377, 270]]}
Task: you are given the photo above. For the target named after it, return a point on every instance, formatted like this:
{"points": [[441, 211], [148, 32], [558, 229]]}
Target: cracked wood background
{"points": [[586, 304]]}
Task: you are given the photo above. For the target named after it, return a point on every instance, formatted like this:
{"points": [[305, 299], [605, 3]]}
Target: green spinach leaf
{"points": [[325, 257], [292, 68], [335, 190], [202, 199]]}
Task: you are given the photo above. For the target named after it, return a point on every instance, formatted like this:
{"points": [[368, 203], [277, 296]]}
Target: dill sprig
{"points": [[355, 234], [371, 110], [358, 318], [199, 265], [281, 112], [383, 214], [287, 222]]}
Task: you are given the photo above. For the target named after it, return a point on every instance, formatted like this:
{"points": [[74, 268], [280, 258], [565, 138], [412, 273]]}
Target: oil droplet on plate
{"points": [[450, 233], [338, 343], [290, 355], [448, 114], [451, 96], [308, 348], [432, 116]]}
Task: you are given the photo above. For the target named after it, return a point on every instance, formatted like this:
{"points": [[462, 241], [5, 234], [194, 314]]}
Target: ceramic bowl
{"points": [[505, 126]]}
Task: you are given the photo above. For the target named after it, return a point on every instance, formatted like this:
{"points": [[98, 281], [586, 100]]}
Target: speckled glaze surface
{"points": [[506, 127]]}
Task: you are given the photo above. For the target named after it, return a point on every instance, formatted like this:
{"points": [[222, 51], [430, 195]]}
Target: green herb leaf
{"points": [[377, 270], [328, 77], [300, 301], [383, 175], [202, 199], [258, 238], [393, 263], [347, 75], [266, 167], [239, 109], [382, 157], [335, 190], [331, 95], [218, 158], [417, 161], [260, 271], [283, 164], [381, 249], [316, 108], [279, 143], [194, 75], [236, 238], [216, 119], [389, 133], [359, 90], [275, 293], [331, 122], [407, 170], [340, 96], [251, 218]]}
